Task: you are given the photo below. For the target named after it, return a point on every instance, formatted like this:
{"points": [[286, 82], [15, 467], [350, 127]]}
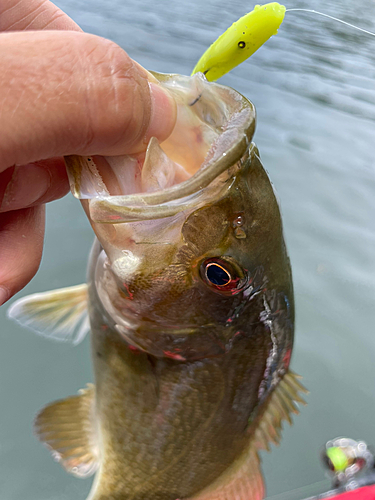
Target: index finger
{"points": [[19, 15]]}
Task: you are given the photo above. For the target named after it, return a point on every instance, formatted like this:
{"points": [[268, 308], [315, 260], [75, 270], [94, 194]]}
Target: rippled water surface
{"points": [[314, 89]]}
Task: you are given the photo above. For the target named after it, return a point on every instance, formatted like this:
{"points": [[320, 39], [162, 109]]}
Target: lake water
{"points": [[314, 89]]}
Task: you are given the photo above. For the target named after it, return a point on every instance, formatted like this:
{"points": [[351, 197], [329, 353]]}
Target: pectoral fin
{"points": [[58, 314], [243, 479], [67, 428]]}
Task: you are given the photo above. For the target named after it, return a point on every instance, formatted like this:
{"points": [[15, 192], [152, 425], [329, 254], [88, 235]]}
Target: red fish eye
{"points": [[221, 274]]}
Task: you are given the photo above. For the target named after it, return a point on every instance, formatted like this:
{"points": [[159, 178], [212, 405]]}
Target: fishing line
{"points": [[333, 18]]}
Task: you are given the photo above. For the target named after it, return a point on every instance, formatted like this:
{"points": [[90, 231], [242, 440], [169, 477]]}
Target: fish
{"points": [[189, 304]]}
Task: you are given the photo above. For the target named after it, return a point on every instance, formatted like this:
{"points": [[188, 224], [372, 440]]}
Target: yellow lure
{"points": [[241, 40]]}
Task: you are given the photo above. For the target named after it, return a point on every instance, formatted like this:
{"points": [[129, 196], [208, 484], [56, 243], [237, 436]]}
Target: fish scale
{"points": [[194, 408]]}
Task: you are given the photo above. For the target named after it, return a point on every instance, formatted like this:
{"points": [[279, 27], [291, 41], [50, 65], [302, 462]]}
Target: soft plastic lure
{"points": [[241, 40], [246, 36]]}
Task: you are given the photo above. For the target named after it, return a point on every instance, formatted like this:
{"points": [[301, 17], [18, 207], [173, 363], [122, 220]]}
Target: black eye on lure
{"points": [[250, 31], [222, 275]]}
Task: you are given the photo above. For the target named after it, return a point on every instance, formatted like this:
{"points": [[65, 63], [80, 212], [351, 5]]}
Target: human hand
{"points": [[61, 93]]}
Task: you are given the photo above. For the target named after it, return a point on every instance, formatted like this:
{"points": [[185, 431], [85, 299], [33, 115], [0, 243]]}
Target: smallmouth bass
{"points": [[190, 305]]}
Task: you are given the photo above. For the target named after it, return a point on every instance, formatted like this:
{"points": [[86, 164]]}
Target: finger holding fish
{"points": [[22, 230], [78, 65], [82, 69]]}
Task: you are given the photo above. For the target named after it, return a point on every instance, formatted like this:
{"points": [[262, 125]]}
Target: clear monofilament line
{"points": [[333, 18]]}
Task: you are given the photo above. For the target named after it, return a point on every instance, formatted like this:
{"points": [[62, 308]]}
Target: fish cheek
{"points": [[205, 229]]}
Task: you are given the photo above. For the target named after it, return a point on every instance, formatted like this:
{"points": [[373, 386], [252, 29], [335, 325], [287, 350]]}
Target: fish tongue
{"points": [[159, 171]]}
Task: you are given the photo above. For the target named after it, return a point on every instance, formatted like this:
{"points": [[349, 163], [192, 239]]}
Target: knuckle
{"points": [[117, 93]]}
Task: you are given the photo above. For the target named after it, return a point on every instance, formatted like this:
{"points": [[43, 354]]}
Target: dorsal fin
{"points": [[243, 479], [67, 427], [281, 405], [58, 314]]}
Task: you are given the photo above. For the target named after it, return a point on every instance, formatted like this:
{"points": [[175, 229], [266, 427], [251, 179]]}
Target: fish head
{"points": [[190, 231]]}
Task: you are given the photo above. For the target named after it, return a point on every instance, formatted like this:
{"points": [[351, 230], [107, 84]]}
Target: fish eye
{"points": [[217, 275], [241, 45], [222, 275]]}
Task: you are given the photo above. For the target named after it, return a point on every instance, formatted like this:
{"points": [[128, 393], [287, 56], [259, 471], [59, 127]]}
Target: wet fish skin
{"points": [[168, 293], [173, 427]]}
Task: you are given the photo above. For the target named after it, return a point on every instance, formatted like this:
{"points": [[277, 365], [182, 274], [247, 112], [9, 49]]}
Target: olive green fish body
{"points": [[174, 426], [172, 434], [190, 302]]}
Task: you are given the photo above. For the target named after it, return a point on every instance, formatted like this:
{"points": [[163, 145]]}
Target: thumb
{"points": [[75, 93]]}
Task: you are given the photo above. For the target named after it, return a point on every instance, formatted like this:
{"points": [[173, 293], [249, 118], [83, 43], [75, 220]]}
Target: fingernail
{"points": [[4, 295], [163, 113], [28, 184]]}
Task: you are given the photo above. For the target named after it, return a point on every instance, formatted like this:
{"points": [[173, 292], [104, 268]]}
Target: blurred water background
{"points": [[314, 89]]}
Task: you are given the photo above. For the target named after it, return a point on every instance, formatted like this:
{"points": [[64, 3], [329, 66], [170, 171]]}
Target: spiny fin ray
{"points": [[282, 403], [243, 479]]}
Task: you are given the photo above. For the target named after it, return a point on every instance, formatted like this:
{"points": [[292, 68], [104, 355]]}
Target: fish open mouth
{"points": [[213, 130]]}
